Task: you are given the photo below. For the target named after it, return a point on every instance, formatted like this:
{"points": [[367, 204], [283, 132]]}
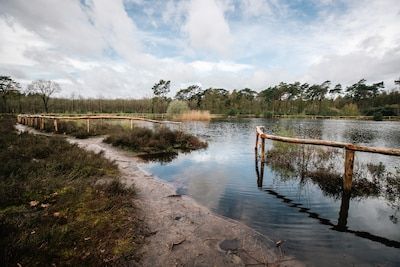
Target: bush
{"points": [[385, 111], [161, 139], [350, 110], [232, 112], [378, 116], [177, 107], [268, 114]]}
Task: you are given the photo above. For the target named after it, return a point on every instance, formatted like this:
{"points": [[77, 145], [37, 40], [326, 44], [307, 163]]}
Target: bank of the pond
{"points": [[183, 232], [61, 205]]}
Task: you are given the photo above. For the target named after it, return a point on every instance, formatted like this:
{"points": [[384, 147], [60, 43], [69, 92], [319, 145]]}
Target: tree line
{"points": [[360, 98]]}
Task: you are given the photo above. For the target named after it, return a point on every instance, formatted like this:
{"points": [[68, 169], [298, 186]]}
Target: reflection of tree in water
{"points": [[356, 135], [322, 166]]}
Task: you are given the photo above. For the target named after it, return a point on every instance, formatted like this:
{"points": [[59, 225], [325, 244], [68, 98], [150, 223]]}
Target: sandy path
{"points": [[184, 233]]}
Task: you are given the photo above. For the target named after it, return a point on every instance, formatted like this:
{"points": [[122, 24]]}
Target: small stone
{"points": [[236, 259], [45, 205], [33, 203]]}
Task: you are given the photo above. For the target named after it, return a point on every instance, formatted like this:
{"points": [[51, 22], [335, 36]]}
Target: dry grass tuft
{"points": [[195, 115]]}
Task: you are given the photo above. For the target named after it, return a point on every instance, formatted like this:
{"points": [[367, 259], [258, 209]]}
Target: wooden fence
{"points": [[39, 121], [349, 151]]}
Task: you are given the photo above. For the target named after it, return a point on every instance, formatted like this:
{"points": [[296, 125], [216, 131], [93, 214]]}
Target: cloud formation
{"points": [[100, 48]]}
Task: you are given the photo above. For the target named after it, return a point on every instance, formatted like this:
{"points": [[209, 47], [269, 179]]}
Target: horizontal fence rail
{"points": [[349, 150], [39, 121], [380, 150]]}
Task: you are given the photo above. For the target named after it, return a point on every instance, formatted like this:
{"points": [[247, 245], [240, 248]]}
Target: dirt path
{"points": [[184, 233]]}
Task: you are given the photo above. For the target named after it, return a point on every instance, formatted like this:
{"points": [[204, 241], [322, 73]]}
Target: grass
{"points": [[159, 140], [79, 130], [194, 115], [61, 205]]}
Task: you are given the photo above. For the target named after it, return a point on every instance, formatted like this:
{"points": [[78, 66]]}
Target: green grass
{"points": [[53, 208]]}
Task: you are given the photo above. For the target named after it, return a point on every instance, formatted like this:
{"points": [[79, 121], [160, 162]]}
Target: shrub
{"points": [[161, 139], [232, 112], [268, 114], [350, 110], [177, 107], [378, 116]]}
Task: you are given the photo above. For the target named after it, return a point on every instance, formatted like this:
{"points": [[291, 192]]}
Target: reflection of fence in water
{"points": [[349, 151], [346, 193], [341, 225]]}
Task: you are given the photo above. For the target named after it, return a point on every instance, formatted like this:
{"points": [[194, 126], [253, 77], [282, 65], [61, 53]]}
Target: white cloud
{"points": [[16, 42], [99, 49], [205, 66], [207, 28]]}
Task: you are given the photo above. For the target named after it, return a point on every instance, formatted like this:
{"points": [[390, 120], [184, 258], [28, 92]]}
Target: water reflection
{"points": [[358, 135], [306, 209], [163, 157], [341, 225]]}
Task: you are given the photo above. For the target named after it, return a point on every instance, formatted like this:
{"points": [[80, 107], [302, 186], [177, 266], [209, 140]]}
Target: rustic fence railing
{"points": [[349, 151], [39, 121]]}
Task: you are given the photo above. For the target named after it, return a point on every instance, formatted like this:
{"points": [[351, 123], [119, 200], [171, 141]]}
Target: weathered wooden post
{"points": [[55, 125], [262, 149], [256, 142], [42, 123], [88, 125], [348, 169]]}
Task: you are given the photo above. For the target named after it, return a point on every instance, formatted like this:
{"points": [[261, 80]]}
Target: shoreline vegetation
{"points": [[325, 100], [63, 210], [206, 116]]}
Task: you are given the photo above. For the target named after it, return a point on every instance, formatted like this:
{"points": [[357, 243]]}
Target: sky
{"points": [[121, 48]]}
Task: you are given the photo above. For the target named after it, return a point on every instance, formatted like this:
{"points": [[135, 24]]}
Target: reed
{"points": [[195, 115]]}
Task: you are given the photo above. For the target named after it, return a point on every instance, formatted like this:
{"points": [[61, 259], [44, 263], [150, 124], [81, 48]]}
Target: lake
{"points": [[318, 224]]}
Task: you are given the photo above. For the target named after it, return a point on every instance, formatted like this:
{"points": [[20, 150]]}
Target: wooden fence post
{"points": [[55, 125], [262, 150], [256, 141], [88, 125], [348, 169]]}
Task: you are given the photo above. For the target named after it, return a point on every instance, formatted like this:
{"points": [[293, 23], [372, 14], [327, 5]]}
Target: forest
{"points": [[325, 99]]}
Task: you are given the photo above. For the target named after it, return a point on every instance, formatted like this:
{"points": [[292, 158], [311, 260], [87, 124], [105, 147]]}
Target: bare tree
{"points": [[7, 86], [45, 89]]}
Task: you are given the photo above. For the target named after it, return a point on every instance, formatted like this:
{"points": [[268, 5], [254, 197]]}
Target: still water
{"points": [[318, 227]]}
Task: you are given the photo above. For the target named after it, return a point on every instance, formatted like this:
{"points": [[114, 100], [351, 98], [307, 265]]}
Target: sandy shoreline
{"points": [[183, 232]]}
